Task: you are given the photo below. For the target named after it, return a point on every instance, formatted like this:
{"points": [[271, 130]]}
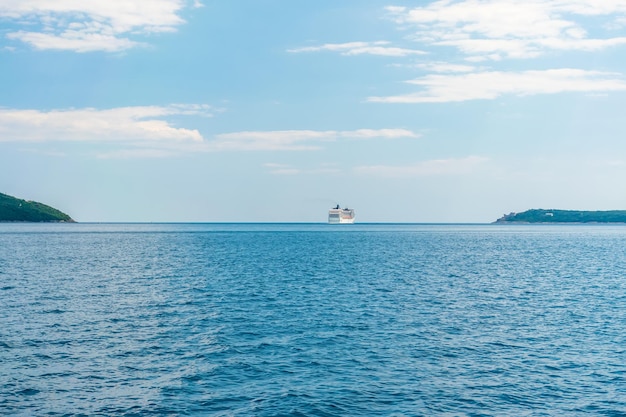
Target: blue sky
{"points": [[268, 110]]}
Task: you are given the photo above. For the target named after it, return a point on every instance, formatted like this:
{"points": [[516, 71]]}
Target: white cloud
{"points": [[93, 25], [453, 166], [273, 165], [446, 67], [137, 154], [141, 124], [496, 29], [283, 169], [147, 132], [360, 48], [298, 140], [493, 84], [74, 41], [377, 133]]}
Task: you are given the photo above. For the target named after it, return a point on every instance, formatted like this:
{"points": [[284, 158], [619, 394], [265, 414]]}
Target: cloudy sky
{"points": [[275, 110]]}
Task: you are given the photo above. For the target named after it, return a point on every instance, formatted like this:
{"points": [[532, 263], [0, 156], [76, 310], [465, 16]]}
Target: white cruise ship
{"points": [[338, 215]]}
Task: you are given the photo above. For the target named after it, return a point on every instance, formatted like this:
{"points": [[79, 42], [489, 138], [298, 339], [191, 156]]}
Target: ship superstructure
{"points": [[338, 215]]}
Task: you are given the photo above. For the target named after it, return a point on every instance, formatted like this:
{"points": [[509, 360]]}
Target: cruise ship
{"points": [[338, 215]]}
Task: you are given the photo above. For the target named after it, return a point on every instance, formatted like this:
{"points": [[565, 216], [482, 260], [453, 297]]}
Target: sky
{"points": [[276, 110]]}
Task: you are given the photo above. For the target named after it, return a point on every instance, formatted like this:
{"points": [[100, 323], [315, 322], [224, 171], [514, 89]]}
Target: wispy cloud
{"points": [[452, 166], [281, 169], [93, 25], [497, 29], [446, 67], [148, 131], [137, 154], [299, 140], [360, 48], [125, 124], [493, 84], [284, 169]]}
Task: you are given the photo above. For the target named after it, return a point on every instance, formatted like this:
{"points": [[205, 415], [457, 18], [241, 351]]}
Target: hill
{"points": [[564, 216], [16, 210]]}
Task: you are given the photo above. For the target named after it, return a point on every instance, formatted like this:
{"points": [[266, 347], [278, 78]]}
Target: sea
{"points": [[312, 320]]}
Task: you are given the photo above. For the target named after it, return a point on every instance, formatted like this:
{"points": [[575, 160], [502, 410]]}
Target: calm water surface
{"points": [[312, 320]]}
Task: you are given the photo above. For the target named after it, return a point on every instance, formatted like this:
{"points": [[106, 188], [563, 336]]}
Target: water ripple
{"points": [[304, 320]]}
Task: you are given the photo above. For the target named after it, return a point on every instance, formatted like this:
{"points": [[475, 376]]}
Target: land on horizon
{"points": [[13, 209], [564, 216]]}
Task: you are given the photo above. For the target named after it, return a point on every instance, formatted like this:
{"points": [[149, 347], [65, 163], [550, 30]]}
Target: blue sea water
{"points": [[312, 320]]}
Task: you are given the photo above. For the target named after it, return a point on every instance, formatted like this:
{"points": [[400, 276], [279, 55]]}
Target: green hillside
{"points": [[15, 210], [564, 216]]}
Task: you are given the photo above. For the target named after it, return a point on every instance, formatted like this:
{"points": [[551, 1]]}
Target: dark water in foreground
{"points": [[312, 320]]}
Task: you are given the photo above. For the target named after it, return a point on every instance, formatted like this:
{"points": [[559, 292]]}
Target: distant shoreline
{"points": [[320, 224], [543, 216]]}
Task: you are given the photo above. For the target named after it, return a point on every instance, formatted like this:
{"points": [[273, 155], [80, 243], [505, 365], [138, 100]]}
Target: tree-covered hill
{"points": [[16, 210], [564, 216]]}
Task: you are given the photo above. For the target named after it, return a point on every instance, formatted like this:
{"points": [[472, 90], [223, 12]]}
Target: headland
{"points": [[13, 209]]}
